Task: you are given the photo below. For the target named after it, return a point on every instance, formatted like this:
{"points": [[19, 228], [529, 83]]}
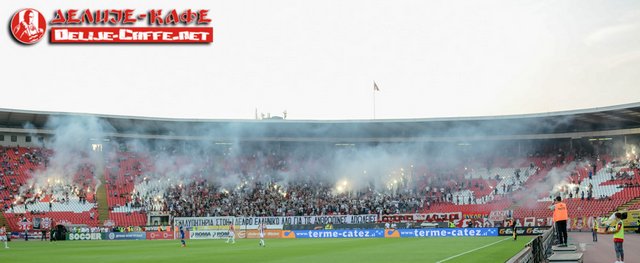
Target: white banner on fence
{"points": [[500, 215], [275, 220]]}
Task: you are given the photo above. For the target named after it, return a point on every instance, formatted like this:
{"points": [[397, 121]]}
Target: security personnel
{"points": [[451, 224], [617, 229], [560, 217], [514, 229], [52, 235], [594, 231]]}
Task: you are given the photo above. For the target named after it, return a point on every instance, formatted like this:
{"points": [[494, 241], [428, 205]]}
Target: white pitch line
{"points": [[475, 249]]}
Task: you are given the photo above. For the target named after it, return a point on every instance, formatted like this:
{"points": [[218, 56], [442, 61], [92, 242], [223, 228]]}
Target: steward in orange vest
{"points": [[560, 217]]}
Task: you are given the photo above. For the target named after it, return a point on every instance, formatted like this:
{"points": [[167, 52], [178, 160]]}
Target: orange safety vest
{"points": [[560, 212]]}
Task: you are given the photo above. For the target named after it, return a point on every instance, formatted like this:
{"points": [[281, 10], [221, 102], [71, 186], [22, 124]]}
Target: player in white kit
{"points": [[261, 228], [232, 234], [3, 236]]}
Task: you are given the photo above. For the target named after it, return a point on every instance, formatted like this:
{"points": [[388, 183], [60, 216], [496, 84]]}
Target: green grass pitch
{"points": [[486, 249]]}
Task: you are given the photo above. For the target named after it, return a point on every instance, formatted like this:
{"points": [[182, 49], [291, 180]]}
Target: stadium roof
{"points": [[607, 121]]}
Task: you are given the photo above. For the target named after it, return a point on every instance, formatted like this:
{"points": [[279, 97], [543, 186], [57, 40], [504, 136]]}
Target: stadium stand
{"points": [[58, 201], [134, 186]]}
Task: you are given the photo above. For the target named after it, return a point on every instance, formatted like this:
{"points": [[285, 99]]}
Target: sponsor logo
{"points": [[448, 232], [159, 235], [525, 231], [209, 234], [287, 234], [391, 233], [85, 236], [358, 233], [126, 236], [252, 233]]}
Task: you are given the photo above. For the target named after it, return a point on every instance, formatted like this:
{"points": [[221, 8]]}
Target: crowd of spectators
{"points": [[15, 162], [271, 199], [258, 190]]}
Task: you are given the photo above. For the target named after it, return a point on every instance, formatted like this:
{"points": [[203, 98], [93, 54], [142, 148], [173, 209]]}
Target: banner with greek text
{"points": [[275, 220]]}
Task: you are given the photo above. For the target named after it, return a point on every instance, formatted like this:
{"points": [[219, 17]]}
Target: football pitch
{"points": [[461, 249]]}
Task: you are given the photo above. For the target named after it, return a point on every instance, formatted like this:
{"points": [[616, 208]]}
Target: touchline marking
{"points": [[475, 249]]}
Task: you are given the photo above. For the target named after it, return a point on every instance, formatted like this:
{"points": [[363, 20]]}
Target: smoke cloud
{"points": [[233, 155]]}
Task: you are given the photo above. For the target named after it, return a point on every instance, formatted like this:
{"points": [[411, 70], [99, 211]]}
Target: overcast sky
{"points": [[319, 59]]}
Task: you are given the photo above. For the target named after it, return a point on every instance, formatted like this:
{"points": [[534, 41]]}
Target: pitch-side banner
{"points": [[446, 232], [276, 220], [157, 235], [125, 236], [84, 236], [209, 234], [522, 231], [352, 233], [256, 234]]}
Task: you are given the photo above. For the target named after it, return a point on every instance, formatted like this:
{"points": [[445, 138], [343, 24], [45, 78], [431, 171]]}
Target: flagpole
{"points": [[374, 104], [375, 88]]}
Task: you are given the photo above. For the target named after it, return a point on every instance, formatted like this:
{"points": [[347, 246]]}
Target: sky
{"points": [[318, 60]]}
